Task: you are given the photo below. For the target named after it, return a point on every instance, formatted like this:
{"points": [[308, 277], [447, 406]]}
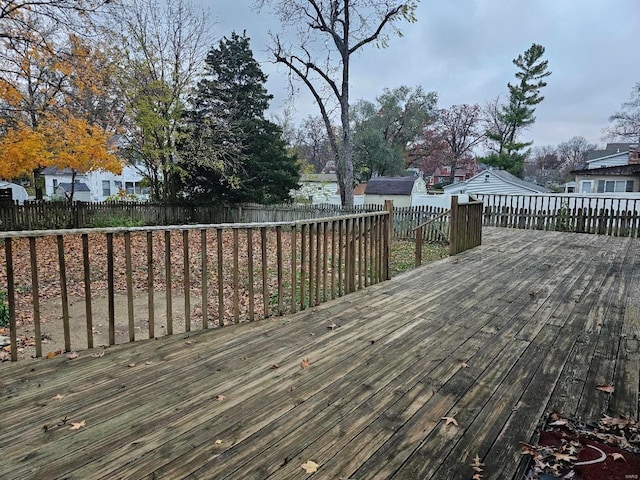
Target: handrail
{"points": [[231, 226], [446, 212]]}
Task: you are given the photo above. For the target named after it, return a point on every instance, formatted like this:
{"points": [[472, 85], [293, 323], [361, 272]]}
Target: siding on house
{"points": [[614, 160], [495, 181]]}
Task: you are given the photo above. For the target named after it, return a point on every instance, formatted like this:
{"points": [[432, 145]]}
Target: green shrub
{"points": [[112, 221]]}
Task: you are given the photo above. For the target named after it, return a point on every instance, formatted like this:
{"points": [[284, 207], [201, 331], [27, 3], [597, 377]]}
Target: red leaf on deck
{"points": [[606, 387]]}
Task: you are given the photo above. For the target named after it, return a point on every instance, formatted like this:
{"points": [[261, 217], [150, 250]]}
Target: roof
{"points": [[359, 189], [507, 177], [79, 187], [390, 185], [319, 177], [616, 170], [56, 171], [609, 150]]}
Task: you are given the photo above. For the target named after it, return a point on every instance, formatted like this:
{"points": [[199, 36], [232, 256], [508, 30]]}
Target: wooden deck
{"points": [[540, 319]]}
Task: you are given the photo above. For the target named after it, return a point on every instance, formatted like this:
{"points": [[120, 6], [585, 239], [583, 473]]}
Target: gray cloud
{"points": [[462, 49]]}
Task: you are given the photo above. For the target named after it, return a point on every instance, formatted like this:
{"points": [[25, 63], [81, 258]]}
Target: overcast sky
{"points": [[463, 50]]}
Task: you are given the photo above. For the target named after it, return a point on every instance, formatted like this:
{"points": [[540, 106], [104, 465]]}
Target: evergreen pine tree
{"points": [[231, 152]]}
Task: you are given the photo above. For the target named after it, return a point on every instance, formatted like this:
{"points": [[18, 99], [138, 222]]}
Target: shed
{"points": [[399, 189], [19, 193], [495, 181], [81, 191]]}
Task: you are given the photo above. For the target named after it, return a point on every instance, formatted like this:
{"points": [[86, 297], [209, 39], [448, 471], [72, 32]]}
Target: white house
{"points": [[399, 189], [317, 188], [99, 184], [495, 181], [613, 170]]}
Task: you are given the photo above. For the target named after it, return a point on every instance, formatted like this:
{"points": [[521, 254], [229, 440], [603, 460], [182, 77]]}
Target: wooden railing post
{"points": [[418, 261], [453, 227], [388, 235]]}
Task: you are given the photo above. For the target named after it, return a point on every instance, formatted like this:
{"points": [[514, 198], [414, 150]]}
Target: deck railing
{"points": [[466, 225], [221, 274], [601, 215]]}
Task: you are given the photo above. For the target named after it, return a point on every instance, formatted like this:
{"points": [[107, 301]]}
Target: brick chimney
{"points": [[634, 155]]}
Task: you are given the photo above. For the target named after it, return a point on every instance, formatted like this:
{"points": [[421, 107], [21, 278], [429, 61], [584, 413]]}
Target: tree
{"points": [[243, 157], [626, 122], [572, 154], [506, 122], [452, 136], [161, 49], [311, 144], [49, 99], [382, 132], [340, 28]]}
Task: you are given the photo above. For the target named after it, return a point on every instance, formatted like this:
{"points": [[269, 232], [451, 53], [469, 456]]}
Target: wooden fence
{"points": [[464, 222], [221, 274], [616, 216], [59, 215]]}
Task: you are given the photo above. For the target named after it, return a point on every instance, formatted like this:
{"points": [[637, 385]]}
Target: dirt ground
{"points": [[53, 333]]}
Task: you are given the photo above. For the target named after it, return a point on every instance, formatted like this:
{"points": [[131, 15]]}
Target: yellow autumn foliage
{"points": [[21, 150]]}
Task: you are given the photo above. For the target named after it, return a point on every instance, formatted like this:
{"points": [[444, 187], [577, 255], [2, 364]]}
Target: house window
{"points": [[118, 185], [55, 183], [586, 186], [106, 188], [617, 186], [486, 177], [128, 186]]}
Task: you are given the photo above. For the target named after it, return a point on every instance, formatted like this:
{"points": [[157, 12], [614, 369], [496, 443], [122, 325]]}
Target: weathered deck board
{"points": [[495, 337]]}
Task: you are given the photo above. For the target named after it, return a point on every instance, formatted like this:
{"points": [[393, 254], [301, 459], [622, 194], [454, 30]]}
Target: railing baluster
{"points": [[265, 276], [35, 297], [11, 298], [236, 278], [250, 274], [280, 268], [111, 291], [187, 280], [294, 275], [168, 280], [150, 285], [63, 294], [129, 274], [219, 239]]}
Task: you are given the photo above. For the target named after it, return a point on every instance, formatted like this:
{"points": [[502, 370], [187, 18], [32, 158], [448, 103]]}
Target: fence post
{"points": [[388, 234], [453, 226]]}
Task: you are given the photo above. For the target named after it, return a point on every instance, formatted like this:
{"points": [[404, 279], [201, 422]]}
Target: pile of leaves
{"points": [[568, 449]]}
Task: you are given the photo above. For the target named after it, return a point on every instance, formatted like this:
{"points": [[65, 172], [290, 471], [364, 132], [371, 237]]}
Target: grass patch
{"points": [[403, 254]]}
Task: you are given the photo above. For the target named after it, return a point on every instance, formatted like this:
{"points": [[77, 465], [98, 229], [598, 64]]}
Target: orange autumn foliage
{"points": [[21, 150]]}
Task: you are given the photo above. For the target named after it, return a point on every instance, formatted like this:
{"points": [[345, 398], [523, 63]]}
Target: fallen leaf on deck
{"points": [[274, 366], [606, 388], [310, 466], [619, 422], [332, 326], [77, 425], [58, 397], [131, 365], [220, 397], [98, 355], [477, 464], [305, 363], [218, 442], [477, 476], [450, 420], [148, 362], [564, 457], [559, 422], [72, 355], [464, 365], [53, 354], [7, 348], [526, 449], [617, 456]]}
